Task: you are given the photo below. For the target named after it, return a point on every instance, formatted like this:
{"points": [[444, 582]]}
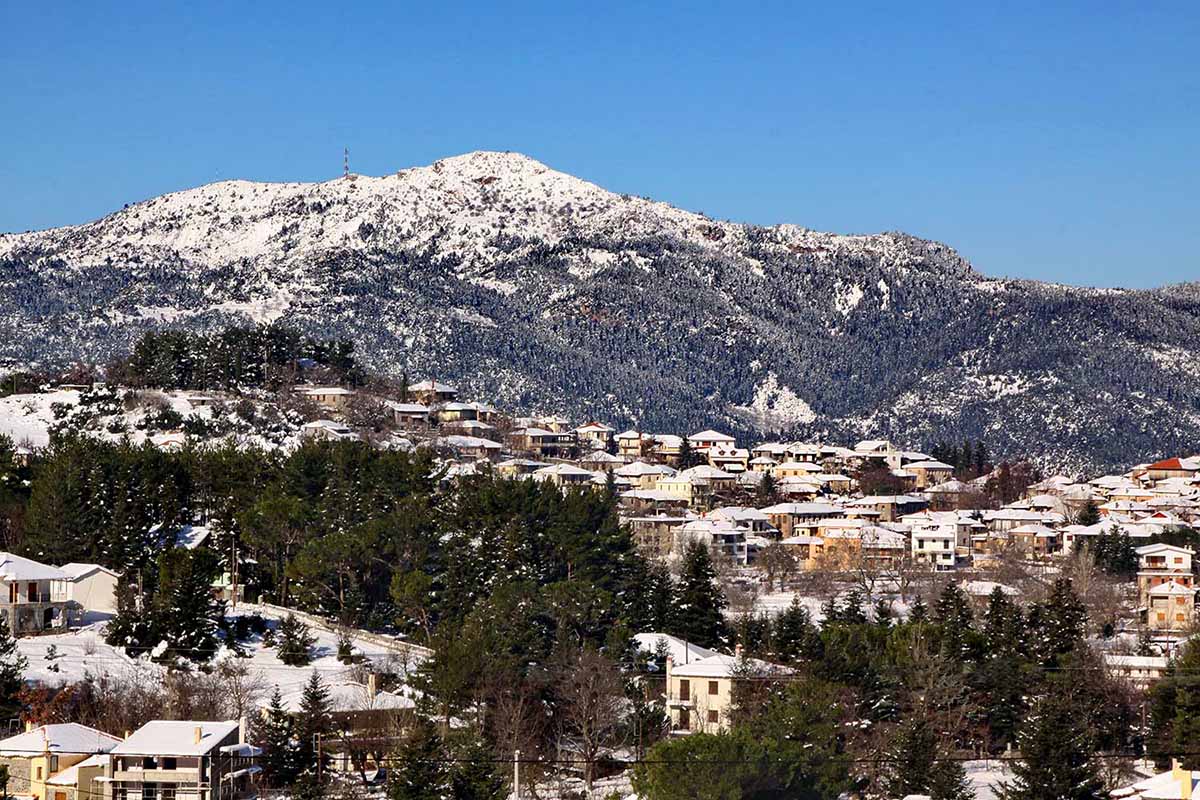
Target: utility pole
{"points": [[346, 162], [517, 774], [234, 573]]}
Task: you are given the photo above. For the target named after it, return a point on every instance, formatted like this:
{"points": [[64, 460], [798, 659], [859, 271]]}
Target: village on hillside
{"points": [[267, 661]]}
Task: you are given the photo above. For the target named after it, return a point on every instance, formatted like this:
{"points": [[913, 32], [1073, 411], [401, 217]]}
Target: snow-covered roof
{"points": [[175, 738], [65, 737], [681, 651], [710, 436], [407, 408], [70, 775], [432, 386], [721, 666], [76, 571], [17, 568]]}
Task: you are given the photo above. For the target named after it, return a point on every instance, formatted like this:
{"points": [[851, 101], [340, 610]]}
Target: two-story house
{"points": [[32, 595], [182, 760], [700, 693], [54, 762]]}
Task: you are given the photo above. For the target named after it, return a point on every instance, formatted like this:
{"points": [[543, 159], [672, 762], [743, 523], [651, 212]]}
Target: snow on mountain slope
{"points": [[543, 291]]}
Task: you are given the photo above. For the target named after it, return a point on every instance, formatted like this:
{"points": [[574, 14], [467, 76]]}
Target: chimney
{"points": [[28, 725], [737, 652], [372, 685], [198, 734], [670, 666], [127, 735], [243, 728]]}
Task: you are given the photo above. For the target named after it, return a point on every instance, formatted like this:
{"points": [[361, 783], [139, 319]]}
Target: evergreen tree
{"points": [[474, 775], [1058, 623], [948, 780], [918, 611], [953, 615], [12, 671], [910, 759], [294, 642], [1056, 753], [796, 636], [276, 736], [313, 724], [1089, 514], [699, 603], [420, 772]]}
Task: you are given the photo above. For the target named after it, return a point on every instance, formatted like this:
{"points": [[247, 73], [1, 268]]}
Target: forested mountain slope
{"points": [[544, 292]]}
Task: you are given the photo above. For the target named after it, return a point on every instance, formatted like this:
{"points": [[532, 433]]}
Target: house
{"points": [[91, 587], [38, 756], [1162, 563], [1169, 606], [629, 445], [702, 441], [642, 475], [183, 759], [654, 536], [36, 594], [432, 392], [600, 460], [594, 435], [930, 473], [728, 458], [1035, 539], [950, 495], [666, 447], [935, 545], [889, 507], [516, 467], [1177, 784], [698, 484], [721, 536], [409, 416], [797, 469], [1173, 468], [542, 441], [334, 398], [456, 412], [470, 446], [1141, 671], [700, 691], [326, 430], [565, 475], [792, 519]]}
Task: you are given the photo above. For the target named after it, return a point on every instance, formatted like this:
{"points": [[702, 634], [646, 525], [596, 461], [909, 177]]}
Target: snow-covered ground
{"points": [[83, 652], [26, 418]]}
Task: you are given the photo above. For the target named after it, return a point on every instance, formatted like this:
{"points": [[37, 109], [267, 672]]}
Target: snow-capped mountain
{"points": [[544, 291]]}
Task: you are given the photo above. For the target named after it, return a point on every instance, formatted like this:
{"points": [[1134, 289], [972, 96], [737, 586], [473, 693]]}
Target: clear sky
{"points": [[1054, 141]]}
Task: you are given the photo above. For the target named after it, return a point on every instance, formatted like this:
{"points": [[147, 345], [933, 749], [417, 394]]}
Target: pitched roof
{"points": [[16, 568], [175, 738], [64, 737]]}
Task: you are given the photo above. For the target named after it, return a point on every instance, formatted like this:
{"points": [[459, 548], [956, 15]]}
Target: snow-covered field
{"points": [[82, 653]]}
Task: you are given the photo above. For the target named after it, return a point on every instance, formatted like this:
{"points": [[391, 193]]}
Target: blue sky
{"points": [[1052, 141]]}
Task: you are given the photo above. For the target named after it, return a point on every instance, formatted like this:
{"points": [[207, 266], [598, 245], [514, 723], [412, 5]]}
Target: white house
{"points": [[92, 586]]}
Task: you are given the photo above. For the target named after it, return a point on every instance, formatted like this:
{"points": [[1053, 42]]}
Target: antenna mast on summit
{"points": [[346, 162]]}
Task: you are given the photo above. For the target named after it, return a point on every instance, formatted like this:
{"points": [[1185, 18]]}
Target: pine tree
{"points": [[948, 780], [796, 636], [313, 723], [1058, 623], [276, 735], [474, 775], [12, 671], [1055, 755], [1089, 514], [910, 759], [294, 642], [420, 772], [699, 603], [953, 615], [918, 611]]}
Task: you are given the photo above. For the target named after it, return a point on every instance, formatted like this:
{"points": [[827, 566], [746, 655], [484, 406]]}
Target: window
{"points": [[685, 721], [169, 762], [149, 791], [1179, 617], [685, 690], [714, 717], [1161, 616], [33, 592], [53, 764], [14, 593], [39, 773], [60, 796], [714, 687]]}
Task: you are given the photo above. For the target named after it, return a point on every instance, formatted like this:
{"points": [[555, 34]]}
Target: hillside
{"points": [[545, 292]]}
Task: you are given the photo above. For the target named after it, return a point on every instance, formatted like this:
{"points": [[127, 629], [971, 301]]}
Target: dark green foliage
{"points": [[948, 781], [1056, 754], [294, 642], [174, 606], [699, 602], [1089, 514], [12, 671], [420, 772], [1114, 552], [314, 723], [275, 733], [910, 760], [234, 358], [796, 636]]}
